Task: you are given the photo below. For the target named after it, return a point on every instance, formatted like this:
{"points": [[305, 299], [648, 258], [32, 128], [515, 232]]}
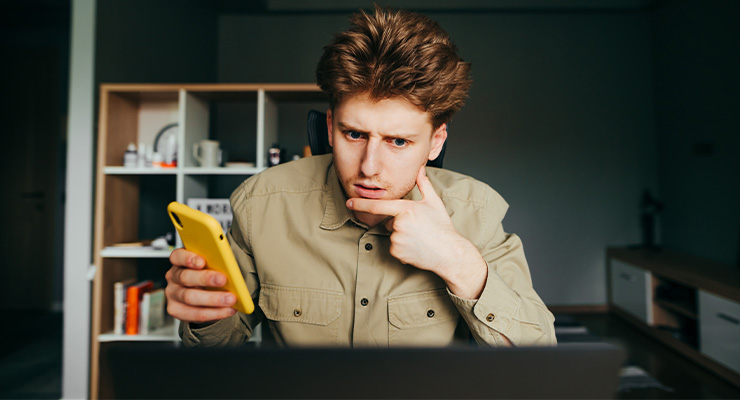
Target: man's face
{"points": [[379, 146]]}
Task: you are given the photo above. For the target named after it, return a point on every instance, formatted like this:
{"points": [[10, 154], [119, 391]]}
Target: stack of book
{"points": [[139, 308]]}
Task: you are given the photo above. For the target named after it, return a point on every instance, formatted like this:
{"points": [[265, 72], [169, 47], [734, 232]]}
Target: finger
{"points": [[187, 313], [378, 207], [200, 297], [425, 185], [183, 258], [197, 278], [389, 224]]}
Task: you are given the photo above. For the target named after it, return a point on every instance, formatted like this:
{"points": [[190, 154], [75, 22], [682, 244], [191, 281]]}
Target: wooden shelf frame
{"points": [[129, 112]]}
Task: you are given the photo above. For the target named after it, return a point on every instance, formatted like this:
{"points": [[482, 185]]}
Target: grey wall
{"points": [[559, 121], [697, 59], [155, 41]]}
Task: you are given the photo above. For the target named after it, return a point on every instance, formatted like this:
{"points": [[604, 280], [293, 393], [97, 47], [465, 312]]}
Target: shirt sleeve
{"points": [[238, 328], [508, 308]]}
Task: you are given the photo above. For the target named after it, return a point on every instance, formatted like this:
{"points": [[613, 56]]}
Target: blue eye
{"points": [[399, 142], [354, 134]]}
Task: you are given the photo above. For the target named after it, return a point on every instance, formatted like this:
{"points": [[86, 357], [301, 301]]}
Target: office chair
{"points": [[318, 138]]}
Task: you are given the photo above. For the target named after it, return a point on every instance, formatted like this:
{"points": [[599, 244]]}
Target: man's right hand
{"points": [[187, 299]]}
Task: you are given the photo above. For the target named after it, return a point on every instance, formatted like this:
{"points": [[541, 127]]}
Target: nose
{"points": [[370, 165]]}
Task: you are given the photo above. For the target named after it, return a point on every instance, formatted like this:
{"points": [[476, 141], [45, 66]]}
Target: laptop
{"points": [[156, 370]]}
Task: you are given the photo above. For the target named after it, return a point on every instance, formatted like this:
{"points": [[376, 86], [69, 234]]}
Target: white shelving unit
{"points": [[131, 202]]}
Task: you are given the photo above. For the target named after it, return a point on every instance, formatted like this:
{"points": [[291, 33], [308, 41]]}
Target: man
{"points": [[367, 246]]}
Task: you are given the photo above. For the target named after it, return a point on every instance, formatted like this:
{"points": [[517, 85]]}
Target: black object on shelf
{"points": [[650, 207]]}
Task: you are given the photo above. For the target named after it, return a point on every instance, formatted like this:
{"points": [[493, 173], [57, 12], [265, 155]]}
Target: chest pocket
{"points": [[422, 319], [302, 316]]}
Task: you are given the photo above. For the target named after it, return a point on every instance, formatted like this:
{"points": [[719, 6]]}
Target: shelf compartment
{"points": [[674, 310], [133, 117], [683, 308]]}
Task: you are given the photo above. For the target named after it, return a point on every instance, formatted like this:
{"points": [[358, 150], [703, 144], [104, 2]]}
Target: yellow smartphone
{"points": [[203, 235]]}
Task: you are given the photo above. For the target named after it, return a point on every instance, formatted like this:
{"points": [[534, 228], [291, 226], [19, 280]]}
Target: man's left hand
{"points": [[422, 235]]}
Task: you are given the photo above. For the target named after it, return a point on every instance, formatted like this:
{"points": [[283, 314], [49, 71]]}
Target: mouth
{"points": [[369, 192]]}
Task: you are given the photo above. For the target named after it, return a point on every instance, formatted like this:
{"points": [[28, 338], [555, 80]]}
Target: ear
{"points": [[329, 127], [438, 140]]}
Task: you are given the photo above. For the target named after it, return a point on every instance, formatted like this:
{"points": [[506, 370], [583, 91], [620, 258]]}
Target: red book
{"points": [[133, 298]]}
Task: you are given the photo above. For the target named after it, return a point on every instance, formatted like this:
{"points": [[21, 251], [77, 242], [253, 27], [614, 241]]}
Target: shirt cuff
{"points": [[491, 315], [208, 335]]}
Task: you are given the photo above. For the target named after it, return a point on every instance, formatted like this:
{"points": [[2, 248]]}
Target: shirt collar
{"points": [[336, 213]]}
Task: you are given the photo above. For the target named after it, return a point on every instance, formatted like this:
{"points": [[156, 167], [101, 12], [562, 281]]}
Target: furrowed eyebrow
{"points": [[345, 127]]}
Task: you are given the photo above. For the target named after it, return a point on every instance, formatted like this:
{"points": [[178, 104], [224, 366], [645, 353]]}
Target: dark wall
{"points": [[156, 41], [697, 68], [559, 121], [571, 116]]}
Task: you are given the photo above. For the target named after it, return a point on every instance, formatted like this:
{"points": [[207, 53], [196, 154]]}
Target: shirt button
{"points": [[368, 246], [430, 313], [297, 312], [364, 302], [490, 317]]}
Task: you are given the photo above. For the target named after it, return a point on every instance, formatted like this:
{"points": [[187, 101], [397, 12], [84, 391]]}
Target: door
{"points": [[32, 125]]}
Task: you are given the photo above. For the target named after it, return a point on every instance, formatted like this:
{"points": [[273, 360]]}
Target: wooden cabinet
{"points": [[630, 288], [690, 304], [719, 322], [130, 203]]}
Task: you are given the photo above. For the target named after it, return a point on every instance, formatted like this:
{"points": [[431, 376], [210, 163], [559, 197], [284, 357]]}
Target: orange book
{"points": [[133, 298]]}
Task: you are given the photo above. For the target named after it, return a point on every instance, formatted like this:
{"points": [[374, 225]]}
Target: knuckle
{"points": [[202, 316], [177, 275], [190, 297], [172, 309], [206, 278], [393, 249]]}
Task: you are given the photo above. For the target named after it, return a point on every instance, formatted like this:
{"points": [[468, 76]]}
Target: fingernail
{"points": [[349, 203], [218, 280], [228, 299]]}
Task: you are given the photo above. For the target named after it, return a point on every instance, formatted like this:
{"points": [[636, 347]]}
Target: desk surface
{"points": [[708, 275]]}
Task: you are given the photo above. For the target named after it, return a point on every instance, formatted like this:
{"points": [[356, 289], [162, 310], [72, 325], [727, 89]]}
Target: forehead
{"points": [[391, 114]]}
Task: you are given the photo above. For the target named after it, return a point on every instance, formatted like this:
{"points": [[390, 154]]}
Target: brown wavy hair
{"points": [[393, 53]]}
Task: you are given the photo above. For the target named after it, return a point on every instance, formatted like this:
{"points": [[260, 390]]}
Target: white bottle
{"points": [[141, 156], [130, 157], [169, 152]]}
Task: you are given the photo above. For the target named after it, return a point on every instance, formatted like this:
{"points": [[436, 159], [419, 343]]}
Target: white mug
{"points": [[207, 153]]}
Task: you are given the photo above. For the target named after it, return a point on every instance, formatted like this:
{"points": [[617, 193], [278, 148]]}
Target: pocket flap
{"points": [[421, 309], [291, 304]]}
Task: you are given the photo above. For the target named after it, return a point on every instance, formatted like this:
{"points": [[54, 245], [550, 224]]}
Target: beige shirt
{"points": [[321, 277]]}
